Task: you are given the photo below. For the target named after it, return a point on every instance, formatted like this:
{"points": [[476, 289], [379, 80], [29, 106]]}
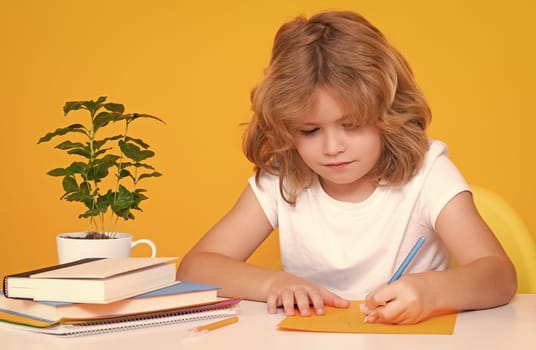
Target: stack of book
{"points": [[106, 295]]}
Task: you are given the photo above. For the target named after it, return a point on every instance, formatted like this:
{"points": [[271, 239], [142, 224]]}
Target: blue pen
{"points": [[407, 260], [405, 263]]}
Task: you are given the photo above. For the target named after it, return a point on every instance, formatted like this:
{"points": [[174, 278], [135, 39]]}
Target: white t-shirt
{"points": [[352, 248]]}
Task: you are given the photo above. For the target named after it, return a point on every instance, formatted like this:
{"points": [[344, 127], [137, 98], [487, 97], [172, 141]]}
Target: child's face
{"points": [[336, 149]]}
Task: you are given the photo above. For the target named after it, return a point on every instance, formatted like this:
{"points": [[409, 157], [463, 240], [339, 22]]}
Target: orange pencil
{"points": [[215, 325]]}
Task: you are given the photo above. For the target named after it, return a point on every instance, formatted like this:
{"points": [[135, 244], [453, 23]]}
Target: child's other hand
{"points": [[289, 291], [406, 301]]}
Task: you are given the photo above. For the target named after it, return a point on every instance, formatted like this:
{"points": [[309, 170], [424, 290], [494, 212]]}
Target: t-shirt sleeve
{"points": [[443, 182], [267, 193]]}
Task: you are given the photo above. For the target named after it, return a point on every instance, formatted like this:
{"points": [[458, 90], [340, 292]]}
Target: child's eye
{"points": [[308, 132], [350, 125]]}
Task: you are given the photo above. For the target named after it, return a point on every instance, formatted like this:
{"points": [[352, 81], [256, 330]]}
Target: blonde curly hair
{"points": [[343, 52]]}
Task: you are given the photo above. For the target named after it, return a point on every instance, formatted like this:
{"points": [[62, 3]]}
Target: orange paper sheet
{"points": [[351, 320]]}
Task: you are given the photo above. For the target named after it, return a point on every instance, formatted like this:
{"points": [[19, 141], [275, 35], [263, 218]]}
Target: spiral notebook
{"points": [[71, 327]]}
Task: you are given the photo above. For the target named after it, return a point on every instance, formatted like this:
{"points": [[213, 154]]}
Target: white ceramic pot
{"points": [[70, 249]]}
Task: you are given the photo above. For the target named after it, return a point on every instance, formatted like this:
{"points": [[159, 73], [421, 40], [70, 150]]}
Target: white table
{"points": [[512, 327]]}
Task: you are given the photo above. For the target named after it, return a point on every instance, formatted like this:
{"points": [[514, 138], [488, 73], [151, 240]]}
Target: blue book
{"points": [[178, 295]]}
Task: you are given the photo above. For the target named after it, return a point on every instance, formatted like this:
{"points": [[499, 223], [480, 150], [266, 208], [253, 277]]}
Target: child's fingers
{"points": [[376, 303], [287, 301], [384, 314], [334, 300], [380, 297], [302, 302], [271, 303], [303, 299], [395, 311], [318, 302]]}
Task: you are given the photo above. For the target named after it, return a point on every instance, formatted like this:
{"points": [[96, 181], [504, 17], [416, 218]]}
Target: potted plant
{"points": [[105, 177]]}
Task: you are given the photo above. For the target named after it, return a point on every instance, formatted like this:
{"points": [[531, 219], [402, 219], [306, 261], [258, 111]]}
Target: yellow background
{"points": [[193, 63]]}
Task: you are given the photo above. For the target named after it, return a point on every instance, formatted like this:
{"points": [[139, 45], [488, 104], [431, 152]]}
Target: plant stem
{"points": [[91, 137]]}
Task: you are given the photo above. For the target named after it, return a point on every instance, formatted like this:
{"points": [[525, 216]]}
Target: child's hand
{"points": [[289, 291], [406, 301]]}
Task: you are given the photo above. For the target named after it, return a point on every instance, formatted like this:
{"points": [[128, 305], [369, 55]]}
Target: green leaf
{"points": [[144, 165], [84, 152], [91, 106], [113, 138], [110, 158], [71, 106], [88, 202], [125, 165], [102, 119], [101, 99], [125, 214], [69, 145], [125, 173], [102, 151], [133, 152], [114, 107], [103, 202], [90, 213], [98, 172], [123, 199], [77, 168], [80, 197], [153, 174], [85, 188], [97, 144], [137, 141], [58, 172], [69, 184], [98, 169], [139, 196], [76, 128], [134, 116]]}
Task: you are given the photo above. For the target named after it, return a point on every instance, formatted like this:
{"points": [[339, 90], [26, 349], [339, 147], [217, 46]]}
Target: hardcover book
{"points": [[93, 280]]}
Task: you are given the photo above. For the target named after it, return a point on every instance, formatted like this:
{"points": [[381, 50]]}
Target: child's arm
{"points": [[484, 276], [219, 258]]}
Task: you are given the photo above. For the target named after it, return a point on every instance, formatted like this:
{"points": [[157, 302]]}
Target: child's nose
{"points": [[333, 143]]}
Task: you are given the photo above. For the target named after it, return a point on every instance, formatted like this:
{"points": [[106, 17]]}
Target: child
{"points": [[346, 173]]}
